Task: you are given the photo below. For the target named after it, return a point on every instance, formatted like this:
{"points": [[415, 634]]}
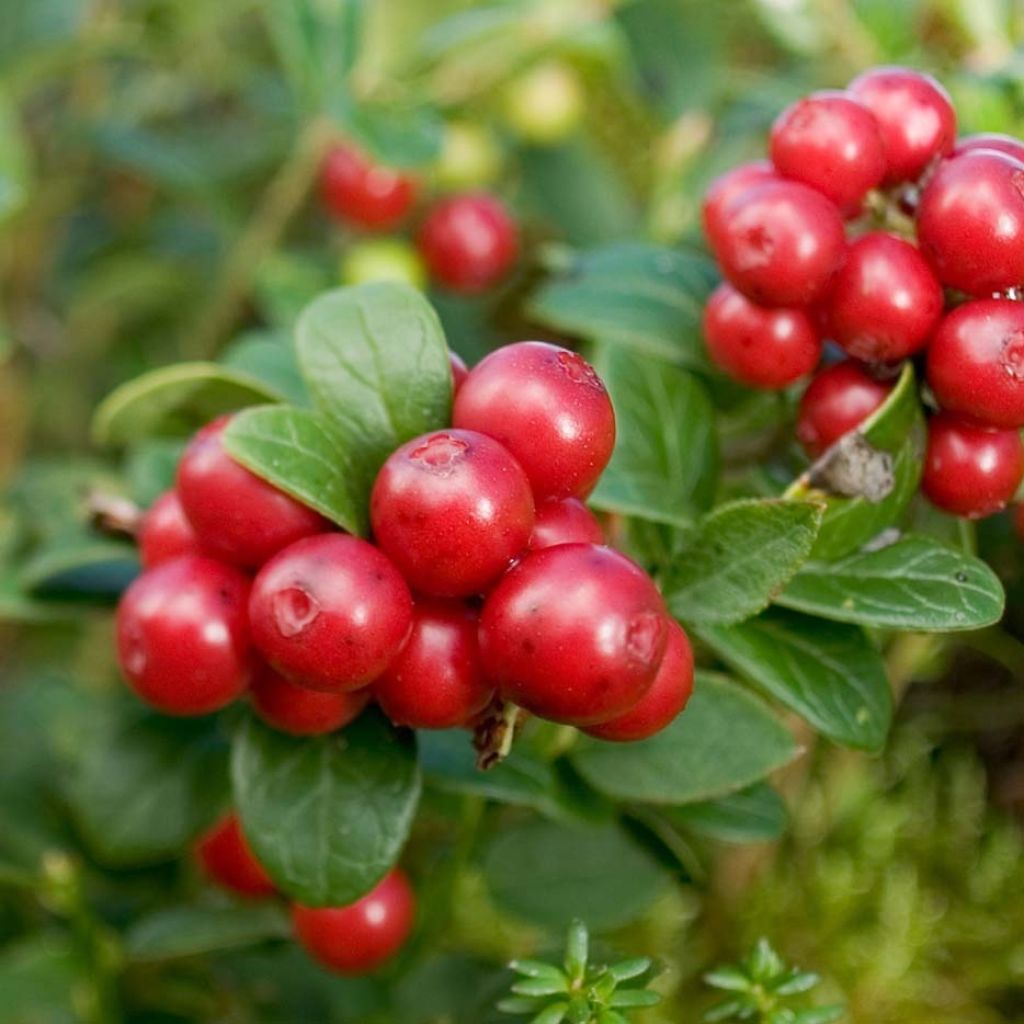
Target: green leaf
{"points": [[269, 356], [738, 559], [40, 976], [549, 874], [648, 298], [827, 672], [326, 816], [634, 998], [751, 815], [895, 436], [81, 563], [14, 160], [915, 584], [725, 740], [665, 460], [375, 361], [193, 931], [175, 400], [295, 449], [398, 136]]}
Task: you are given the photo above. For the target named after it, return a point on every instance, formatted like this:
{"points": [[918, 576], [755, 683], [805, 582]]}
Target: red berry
{"points": [[668, 695], [838, 400], [182, 635], [300, 711], [363, 193], [976, 362], [779, 243], [969, 470], [970, 222], [549, 408], [729, 186], [831, 142], [469, 242], [565, 521], [452, 509], [459, 371], [762, 348], [225, 856], [993, 141], [359, 938], [165, 532], [237, 516], [915, 116], [330, 612], [574, 633], [436, 681], [884, 302]]}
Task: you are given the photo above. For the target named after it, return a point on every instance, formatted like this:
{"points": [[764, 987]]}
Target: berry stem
{"points": [[113, 514], [493, 736]]}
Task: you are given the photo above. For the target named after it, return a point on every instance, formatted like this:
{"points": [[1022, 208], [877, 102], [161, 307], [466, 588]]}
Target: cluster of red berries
{"points": [[946, 287], [468, 242]]}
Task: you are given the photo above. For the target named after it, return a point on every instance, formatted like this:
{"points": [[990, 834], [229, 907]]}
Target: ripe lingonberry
{"points": [[549, 408], [565, 521], [360, 937], [837, 401], [469, 242], [436, 681], [300, 711], [729, 186], [991, 140], [236, 515], [915, 116], [226, 858], [779, 243], [183, 637], [330, 612], [361, 192], [970, 222], [884, 302], [452, 509], [970, 470], [666, 698], [460, 371], [830, 141], [165, 532], [574, 633], [976, 362], [760, 347]]}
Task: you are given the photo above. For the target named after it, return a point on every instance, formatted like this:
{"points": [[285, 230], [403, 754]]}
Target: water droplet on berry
{"points": [[439, 454], [644, 635], [1011, 357], [295, 609]]}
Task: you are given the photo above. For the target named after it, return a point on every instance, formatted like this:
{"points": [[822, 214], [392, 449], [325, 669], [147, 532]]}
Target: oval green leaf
{"points": [[753, 815]]}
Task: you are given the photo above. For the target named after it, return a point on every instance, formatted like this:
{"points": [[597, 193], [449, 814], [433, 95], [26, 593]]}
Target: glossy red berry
{"points": [[970, 470], [361, 192], [226, 858], [459, 371], [182, 635], [830, 141], [330, 612], [574, 633], [452, 509], [236, 515], [993, 141], [549, 408], [976, 362], [359, 938], [885, 302], [436, 682], [729, 186], [165, 532], [779, 243], [565, 521], [839, 399], [970, 222], [760, 347], [300, 711], [668, 695], [469, 242], [915, 116]]}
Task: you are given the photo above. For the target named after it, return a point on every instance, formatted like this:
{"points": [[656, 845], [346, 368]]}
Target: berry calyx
{"points": [[361, 192], [564, 521], [452, 509], [760, 347], [227, 860], [971, 470], [549, 408], [300, 711], [359, 938], [330, 612], [666, 699], [182, 635], [839, 399], [165, 532], [729, 186], [236, 515], [574, 633]]}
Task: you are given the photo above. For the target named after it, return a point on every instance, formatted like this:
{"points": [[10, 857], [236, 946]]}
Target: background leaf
{"points": [[751, 815]]}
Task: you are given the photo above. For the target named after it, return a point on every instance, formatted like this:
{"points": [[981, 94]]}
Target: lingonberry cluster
{"points": [[873, 227]]}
